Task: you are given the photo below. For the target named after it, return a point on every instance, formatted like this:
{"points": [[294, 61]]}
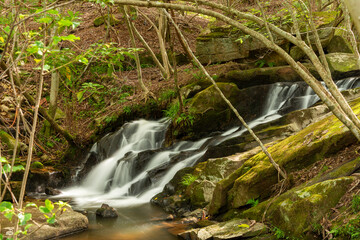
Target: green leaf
{"points": [[49, 205], [65, 23], [31, 205], [70, 38], [45, 20], [56, 40], [32, 49], [3, 160], [84, 60], [28, 226], [51, 220], [18, 168], [1, 237], [5, 205], [53, 11], [24, 218], [80, 96], [44, 209], [9, 215]]}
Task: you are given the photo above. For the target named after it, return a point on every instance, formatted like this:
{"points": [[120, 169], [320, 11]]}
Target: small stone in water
{"points": [[106, 211]]}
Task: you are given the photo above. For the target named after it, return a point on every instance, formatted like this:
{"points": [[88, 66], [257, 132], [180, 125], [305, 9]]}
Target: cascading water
{"points": [[134, 166]]}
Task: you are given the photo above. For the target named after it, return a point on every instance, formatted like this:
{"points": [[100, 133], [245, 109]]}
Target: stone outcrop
{"points": [[256, 176], [298, 210], [342, 64]]}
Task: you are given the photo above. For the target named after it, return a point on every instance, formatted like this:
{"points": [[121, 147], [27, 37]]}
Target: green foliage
{"points": [[37, 165], [24, 219], [185, 119], [262, 62], [349, 231], [127, 109], [356, 203], [6, 167], [278, 233], [188, 179], [253, 202], [167, 95], [172, 110], [199, 76], [110, 57]]}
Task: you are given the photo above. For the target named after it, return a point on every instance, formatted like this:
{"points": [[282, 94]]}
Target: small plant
{"points": [[278, 233], [169, 94], [172, 111], [127, 109], [356, 203], [253, 202], [188, 179], [262, 62], [24, 219]]}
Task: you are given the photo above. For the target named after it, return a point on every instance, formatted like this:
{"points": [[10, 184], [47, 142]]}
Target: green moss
{"points": [[293, 153], [37, 165], [287, 211]]}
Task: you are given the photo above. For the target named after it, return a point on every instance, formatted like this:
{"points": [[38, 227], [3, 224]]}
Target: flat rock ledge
{"points": [[70, 222], [233, 229]]}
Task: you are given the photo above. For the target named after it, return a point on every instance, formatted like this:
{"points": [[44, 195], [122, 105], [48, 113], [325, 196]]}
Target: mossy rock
{"points": [[256, 176], [341, 63], [296, 211], [9, 142], [37, 165], [233, 229], [338, 45], [261, 76], [102, 19]]}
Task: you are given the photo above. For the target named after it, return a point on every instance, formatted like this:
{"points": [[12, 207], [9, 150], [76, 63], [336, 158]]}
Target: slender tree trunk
{"points": [[151, 52], [354, 9]]}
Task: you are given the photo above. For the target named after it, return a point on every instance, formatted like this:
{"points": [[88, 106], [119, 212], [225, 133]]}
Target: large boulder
{"points": [[210, 112], [256, 176], [338, 45], [260, 76], [219, 46], [286, 212], [342, 64]]}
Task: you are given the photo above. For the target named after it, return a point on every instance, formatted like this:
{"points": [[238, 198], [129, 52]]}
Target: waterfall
{"points": [[134, 165]]}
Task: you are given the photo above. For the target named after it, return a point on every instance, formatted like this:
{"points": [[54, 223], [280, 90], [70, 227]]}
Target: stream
{"points": [[133, 166]]}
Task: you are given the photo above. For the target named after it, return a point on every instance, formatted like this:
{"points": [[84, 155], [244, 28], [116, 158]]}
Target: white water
{"points": [[115, 180]]}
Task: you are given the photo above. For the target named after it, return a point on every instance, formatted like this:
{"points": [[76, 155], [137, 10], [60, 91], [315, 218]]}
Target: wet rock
{"points": [[52, 191], [39, 179], [233, 229], [106, 211]]}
